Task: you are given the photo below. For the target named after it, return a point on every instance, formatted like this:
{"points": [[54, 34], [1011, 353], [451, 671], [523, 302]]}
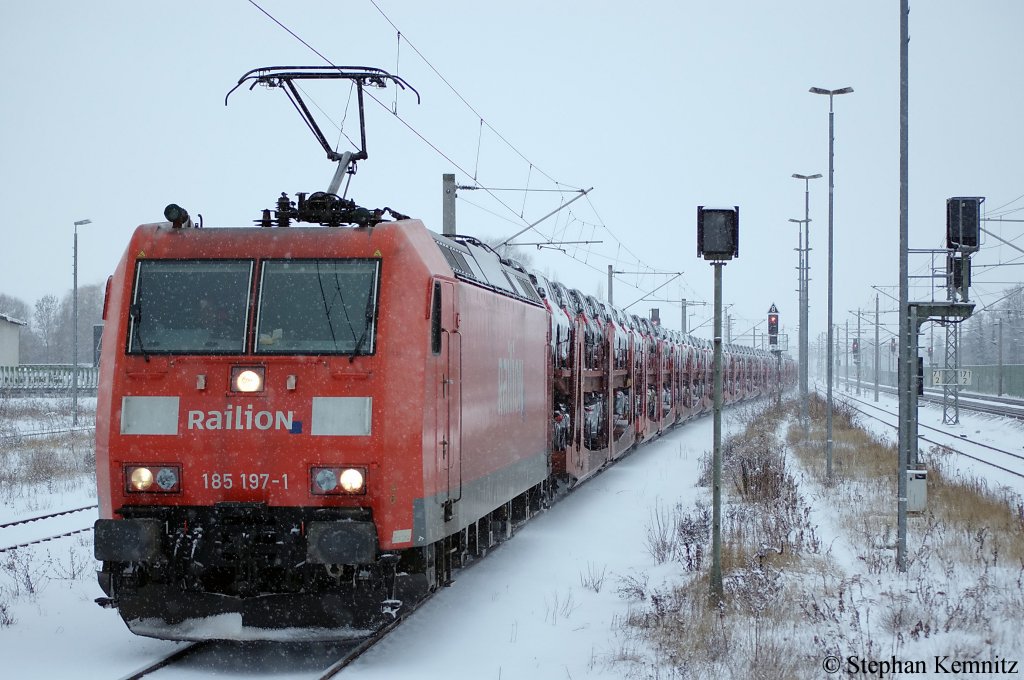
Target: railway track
{"points": [[322, 660], [177, 655], [42, 528], [952, 440], [47, 433], [1006, 407]]}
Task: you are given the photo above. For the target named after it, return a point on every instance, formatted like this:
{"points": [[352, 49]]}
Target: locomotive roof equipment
{"points": [[320, 207]]}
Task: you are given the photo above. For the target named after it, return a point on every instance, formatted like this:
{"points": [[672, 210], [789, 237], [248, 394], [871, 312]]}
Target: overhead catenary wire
{"points": [[456, 92], [561, 187]]}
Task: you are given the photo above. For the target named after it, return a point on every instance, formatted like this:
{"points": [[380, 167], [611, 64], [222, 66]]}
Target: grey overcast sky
{"points": [[113, 109]]}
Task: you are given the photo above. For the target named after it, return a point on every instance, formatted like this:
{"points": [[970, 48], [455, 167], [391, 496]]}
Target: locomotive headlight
{"points": [[338, 481], [326, 480], [247, 378], [140, 479], [167, 478], [352, 480], [152, 478]]}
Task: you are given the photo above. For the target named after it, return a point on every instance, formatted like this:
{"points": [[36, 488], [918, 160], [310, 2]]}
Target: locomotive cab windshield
{"points": [[189, 307], [318, 307], [323, 306]]}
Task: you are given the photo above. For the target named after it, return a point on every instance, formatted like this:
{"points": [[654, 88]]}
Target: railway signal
{"points": [[963, 220], [773, 325], [718, 240], [962, 229], [958, 273], [718, 233]]}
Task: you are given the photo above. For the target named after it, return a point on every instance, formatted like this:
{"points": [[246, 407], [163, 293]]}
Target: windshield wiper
{"points": [[366, 328], [328, 307], [136, 314]]}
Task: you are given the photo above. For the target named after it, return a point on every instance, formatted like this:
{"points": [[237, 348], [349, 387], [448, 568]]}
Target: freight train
{"points": [[308, 428]]}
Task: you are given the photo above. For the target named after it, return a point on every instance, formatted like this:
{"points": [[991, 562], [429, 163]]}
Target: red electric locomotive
{"points": [[291, 419], [303, 430]]}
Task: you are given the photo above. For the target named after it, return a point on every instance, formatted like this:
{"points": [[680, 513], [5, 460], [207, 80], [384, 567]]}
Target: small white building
{"points": [[10, 340]]}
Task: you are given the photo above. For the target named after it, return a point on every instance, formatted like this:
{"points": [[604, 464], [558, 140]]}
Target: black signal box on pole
{"points": [[718, 233], [963, 222], [773, 325], [958, 273]]}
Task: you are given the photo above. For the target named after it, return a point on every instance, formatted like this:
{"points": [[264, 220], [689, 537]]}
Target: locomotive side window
{"points": [[189, 307], [318, 307], [435, 321]]}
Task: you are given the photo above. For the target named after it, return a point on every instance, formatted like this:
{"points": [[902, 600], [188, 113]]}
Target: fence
{"points": [[47, 378]]}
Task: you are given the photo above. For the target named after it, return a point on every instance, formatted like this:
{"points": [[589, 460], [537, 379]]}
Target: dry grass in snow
{"points": [[809, 566]]}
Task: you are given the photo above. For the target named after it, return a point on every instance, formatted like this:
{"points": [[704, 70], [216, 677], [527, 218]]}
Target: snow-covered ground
{"points": [[549, 604], [972, 428]]}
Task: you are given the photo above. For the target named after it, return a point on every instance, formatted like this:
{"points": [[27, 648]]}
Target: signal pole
{"points": [[718, 240]]}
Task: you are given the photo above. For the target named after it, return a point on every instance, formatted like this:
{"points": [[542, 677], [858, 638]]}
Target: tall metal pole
{"points": [[610, 302], [846, 355], [857, 357], [828, 396], [999, 387], [74, 330], [831, 192], [903, 366], [804, 348], [716, 484], [877, 350], [448, 193], [74, 337]]}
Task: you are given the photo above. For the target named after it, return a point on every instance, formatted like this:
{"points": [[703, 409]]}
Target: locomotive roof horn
{"points": [[284, 77]]}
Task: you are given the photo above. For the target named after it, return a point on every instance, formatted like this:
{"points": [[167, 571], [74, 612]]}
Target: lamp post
{"points": [[74, 331], [804, 349], [831, 187]]}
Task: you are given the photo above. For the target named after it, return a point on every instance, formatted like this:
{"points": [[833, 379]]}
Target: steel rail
{"points": [[43, 433], [53, 514], [944, 445], [171, 658], [44, 540]]}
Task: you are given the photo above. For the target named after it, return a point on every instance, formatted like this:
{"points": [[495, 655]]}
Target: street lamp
{"points": [[831, 186], [74, 331]]}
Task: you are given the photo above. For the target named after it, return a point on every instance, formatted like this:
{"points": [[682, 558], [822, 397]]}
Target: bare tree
{"points": [[14, 308], [46, 326]]}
